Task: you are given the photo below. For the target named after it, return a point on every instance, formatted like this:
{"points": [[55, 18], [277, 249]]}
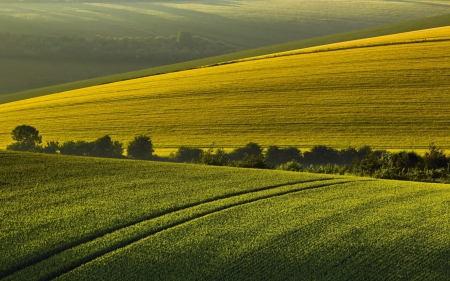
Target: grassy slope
{"points": [[242, 23], [431, 22], [107, 219], [388, 96]]}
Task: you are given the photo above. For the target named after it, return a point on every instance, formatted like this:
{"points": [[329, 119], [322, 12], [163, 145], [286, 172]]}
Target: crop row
{"points": [[73, 200]]}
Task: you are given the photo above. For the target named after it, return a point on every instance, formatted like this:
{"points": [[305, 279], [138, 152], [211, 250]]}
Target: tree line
{"points": [[433, 166], [158, 50]]}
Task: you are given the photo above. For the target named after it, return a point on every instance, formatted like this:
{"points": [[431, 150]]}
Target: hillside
{"points": [[16, 67], [388, 95], [79, 218], [243, 24]]}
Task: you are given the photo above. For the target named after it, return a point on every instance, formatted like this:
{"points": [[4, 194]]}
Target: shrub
{"points": [[292, 165], [52, 147]]}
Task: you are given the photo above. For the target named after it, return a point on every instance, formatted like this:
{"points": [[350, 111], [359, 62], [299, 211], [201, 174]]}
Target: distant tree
{"points": [[347, 155], [27, 138], [276, 156], [434, 158], [250, 149], [52, 147], [321, 154], [184, 39], [79, 148], [217, 158], [188, 154], [140, 147], [106, 147]]}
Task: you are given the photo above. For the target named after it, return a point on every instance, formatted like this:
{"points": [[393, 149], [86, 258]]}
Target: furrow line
{"points": [[180, 220], [94, 236]]}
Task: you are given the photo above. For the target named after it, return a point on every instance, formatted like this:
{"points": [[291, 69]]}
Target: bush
{"points": [[251, 161], [140, 147], [52, 147], [292, 165]]}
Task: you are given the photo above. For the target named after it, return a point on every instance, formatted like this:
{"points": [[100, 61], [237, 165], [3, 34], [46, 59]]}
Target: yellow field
{"points": [[391, 96]]}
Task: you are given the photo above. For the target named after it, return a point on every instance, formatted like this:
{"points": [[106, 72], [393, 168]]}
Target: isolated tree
{"points": [[26, 137], [140, 147]]}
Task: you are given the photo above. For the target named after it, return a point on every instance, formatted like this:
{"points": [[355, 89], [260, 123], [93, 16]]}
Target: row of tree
{"points": [[27, 138], [434, 165], [159, 50]]}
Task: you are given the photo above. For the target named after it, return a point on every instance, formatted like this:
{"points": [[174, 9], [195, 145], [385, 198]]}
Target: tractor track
{"points": [[33, 269]]}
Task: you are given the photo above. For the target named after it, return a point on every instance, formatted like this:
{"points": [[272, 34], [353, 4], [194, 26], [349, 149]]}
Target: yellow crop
{"points": [[388, 96]]}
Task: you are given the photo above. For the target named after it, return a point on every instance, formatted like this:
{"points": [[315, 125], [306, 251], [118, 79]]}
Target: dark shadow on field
{"points": [[284, 258]]}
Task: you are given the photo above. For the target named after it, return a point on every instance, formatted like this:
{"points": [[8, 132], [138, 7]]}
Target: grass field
{"points": [[391, 96], [245, 24], [414, 25], [115, 219]]}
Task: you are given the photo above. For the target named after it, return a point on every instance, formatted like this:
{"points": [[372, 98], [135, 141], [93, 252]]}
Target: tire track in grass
{"points": [[69, 259], [94, 236]]}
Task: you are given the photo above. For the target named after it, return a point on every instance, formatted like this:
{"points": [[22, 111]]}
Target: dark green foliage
{"points": [[321, 154], [347, 155], [79, 148], [292, 165], [188, 154], [106, 147], [102, 147], [27, 138], [219, 158], [435, 158], [140, 147], [251, 161], [248, 150], [112, 49], [276, 156], [184, 39], [52, 147]]}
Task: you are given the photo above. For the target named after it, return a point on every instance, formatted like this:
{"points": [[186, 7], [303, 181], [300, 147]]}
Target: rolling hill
{"points": [[244, 24], [414, 25], [79, 218], [387, 92]]}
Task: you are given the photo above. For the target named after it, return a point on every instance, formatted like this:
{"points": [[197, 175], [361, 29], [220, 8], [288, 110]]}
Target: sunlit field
{"points": [[388, 96], [243, 24], [81, 218]]}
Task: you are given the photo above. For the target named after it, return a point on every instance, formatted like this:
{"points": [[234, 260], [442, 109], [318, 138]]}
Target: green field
{"points": [[243, 24], [388, 95], [115, 219]]}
